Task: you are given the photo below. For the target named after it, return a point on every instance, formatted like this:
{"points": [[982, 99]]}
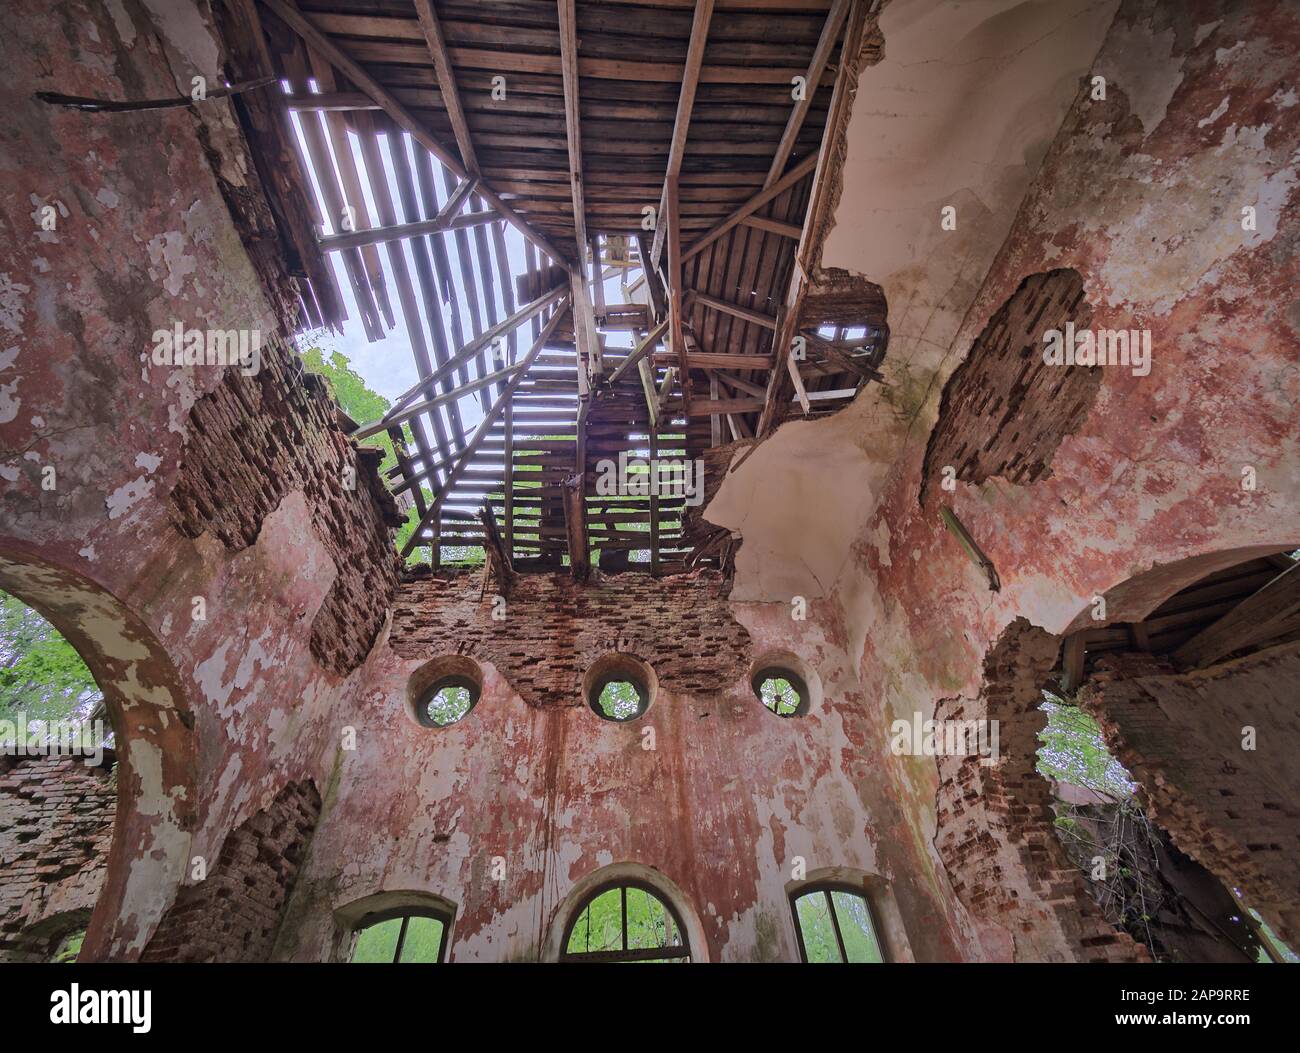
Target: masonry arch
{"points": [[154, 745], [629, 873]]}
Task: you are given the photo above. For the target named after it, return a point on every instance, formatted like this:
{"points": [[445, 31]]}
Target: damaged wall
{"points": [[1181, 736], [221, 671], [708, 788], [1142, 193], [56, 825]]}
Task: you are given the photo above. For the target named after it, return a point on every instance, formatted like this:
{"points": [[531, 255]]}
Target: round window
{"points": [[782, 691], [619, 697], [446, 701]]}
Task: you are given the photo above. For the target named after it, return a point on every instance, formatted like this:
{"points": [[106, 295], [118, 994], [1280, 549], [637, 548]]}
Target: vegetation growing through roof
{"points": [[1074, 752]]}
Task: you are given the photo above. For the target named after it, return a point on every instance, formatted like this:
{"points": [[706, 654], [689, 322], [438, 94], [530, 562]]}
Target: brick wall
{"points": [[1004, 412], [56, 826], [1231, 809], [255, 439], [554, 630], [994, 823], [233, 914]]}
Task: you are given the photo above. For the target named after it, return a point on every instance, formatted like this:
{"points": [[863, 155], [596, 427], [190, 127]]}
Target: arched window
{"points": [[626, 922], [403, 934], [834, 924]]}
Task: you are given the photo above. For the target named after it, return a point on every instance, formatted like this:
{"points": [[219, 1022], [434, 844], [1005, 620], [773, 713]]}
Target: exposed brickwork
{"points": [[255, 439], [1004, 412], [553, 629], [56, 826], [994, 823], [1180, 736], [233, 914]]}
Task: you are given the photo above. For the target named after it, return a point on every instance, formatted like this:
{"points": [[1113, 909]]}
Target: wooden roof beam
{"points": [[432, 29], [821, 55], [481, 432], [752, 205], [682, 122], [573, 119], [405, 120]]}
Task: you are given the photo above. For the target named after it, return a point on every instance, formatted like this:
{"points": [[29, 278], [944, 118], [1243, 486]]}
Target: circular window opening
{"points": [[619, 687], [443, 691], [619, 698], [447, 701], [782, 691]]}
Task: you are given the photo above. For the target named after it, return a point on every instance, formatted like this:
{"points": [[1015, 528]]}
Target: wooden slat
{"points": [[399, 113], [432, 30]]}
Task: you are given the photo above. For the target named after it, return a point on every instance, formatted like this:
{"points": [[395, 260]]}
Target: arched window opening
{"points": [[834, 926], [406, 935], [626, 922]]}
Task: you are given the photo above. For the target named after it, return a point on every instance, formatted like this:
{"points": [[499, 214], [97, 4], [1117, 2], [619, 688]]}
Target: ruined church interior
{"points": [[659, 481]]}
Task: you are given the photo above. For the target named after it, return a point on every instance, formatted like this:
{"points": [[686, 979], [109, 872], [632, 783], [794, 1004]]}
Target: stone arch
{"points": [[620, 872], [155, 744]]}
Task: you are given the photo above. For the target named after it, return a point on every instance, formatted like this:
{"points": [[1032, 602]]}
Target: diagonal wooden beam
{"points": [[405, 120], [642, 349], [792, 306], [682, 123], [676, 335], [735, 310], [378, 235], [1262, 616], [752, 205], [485, 426], [467, 352], [429, 405], [821, 55], [573, 119], [432, 29]]}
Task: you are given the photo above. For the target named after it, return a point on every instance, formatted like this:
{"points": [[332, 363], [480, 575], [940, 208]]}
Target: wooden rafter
{"points": [[682, 122], [485, 426], [388, 102], [573, 119], [752, 205], [825, 45], [432, 29]]}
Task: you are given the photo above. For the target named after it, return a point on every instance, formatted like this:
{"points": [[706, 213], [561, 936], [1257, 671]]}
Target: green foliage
{"points": [[448, 705], [818, 929], [356, 399], [378, 943], [600, 925], [41, 674], [1074, 752], [619, 700], [779, 695]]}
